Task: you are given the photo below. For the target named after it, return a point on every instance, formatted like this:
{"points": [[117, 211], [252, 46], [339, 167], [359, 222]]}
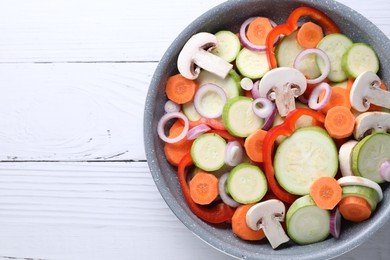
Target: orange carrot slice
{"points": [[204, 188], [254, 145], [326, 192], [339, 122], [241, 229], [179, 89], [309, 35], [174, 152], [339, 97], [258, 30], [354, 208]]}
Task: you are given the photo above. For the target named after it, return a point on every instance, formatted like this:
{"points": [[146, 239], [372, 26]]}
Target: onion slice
{"points": [[385, 170], [223, 194], [210, 108], [233, 153], [313, 99], [197, 131], [320, 53], [171, 106], [244, 40], [263, 107], [357, 180], [268, 121], [255, 89], [335, 222], [161, 127]]}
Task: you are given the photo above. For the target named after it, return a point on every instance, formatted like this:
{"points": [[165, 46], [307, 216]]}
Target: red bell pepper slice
{"points": [[217, 214], [285, 129], [292, 24]]}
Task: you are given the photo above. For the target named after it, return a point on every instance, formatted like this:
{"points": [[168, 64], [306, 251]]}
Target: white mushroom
{"points": [[370, 123], [345, 157], [283, 85], [366, 90], [195, 55], [267, 215]]}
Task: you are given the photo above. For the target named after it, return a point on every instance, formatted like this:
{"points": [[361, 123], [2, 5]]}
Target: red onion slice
{"points": [[244, 40], [255, 89], [262, 107], [223, 194], [320, 53], [233, 153], [171, 106], [385, 170], [210, 108], [246, 83], [161, 126], [313, 99], [197, 131], [335, 222], [268, 122]]}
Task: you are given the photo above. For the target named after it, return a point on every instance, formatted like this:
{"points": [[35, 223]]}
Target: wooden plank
{"points": [[62, 111], [112, 30], [107, 30], [98, 210], [89, 211]]}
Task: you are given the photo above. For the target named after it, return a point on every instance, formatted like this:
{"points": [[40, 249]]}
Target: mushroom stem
{"points": [[366, 90], [212, 63], [379, 96], [285, 99]]}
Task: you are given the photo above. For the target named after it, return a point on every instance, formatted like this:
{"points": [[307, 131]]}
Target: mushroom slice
{"points": [[195, 55], [267, 215], [366, 90], [345, 157], [283, 85], [370, 123]]}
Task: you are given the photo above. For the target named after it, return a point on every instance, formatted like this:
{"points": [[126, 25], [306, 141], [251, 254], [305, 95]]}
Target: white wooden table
{"points": [[74, 182]]}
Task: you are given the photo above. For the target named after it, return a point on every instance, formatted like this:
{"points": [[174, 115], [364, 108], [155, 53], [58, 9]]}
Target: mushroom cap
{"points": [[361, 90], [283, 77], [272, 208], [371, 122], [185, 61]]}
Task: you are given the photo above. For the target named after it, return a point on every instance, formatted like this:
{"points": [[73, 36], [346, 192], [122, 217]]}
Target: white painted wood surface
{"points": [[74, 183]]}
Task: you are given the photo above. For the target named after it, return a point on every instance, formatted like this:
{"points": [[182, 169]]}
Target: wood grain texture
{"points": [[89, 211], [112, 30], [81, 111], [99, 211]]}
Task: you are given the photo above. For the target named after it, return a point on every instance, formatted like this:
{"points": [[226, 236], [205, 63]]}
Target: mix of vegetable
{"points": [[279, 123]]}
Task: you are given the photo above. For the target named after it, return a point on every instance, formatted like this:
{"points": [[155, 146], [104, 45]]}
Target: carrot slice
{"points": [[180, 89], [326, 192], [174, 152], [254, 145], [309, 35], [258, 30], [204, 188], [339, 122], [339, 97], [214, 123], [354, 208], [241, 229]]}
